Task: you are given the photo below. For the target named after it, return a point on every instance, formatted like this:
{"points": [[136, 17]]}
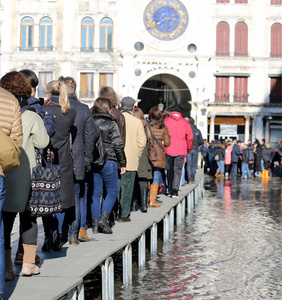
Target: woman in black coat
{"points": [[58, 106], [106, 175]]}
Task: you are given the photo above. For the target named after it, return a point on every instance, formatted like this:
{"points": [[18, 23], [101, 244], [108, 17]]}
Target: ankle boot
{"points": [[104, 222], [134, 205], [48, 242], [82, 235], [153, 195], [144, 196], [29, 268], [57, 241], [9, 272], [95, 227]]}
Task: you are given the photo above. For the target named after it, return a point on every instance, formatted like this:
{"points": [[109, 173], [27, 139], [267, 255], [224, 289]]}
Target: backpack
{"points": [[99, 152], [9, 152], [251, 155]]}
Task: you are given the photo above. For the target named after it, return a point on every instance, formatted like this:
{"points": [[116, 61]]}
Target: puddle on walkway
{"points": [[230, 248]]}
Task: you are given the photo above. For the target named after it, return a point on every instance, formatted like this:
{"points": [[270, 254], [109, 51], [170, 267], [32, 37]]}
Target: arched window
{"points": [[106, 35], [27, 26], [45, 35], [87, 34], [276, 40], [241, 39], [222, 39]]}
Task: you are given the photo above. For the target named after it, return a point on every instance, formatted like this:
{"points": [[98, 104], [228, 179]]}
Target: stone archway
{"points": [[167, 89]]}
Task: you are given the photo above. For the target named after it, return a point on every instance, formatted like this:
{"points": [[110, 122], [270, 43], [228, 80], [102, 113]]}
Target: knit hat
{"points": [[127, 102], [177, 108]]}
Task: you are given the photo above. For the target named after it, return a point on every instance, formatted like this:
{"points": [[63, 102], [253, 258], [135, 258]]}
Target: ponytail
{"points": [[58, 88]]}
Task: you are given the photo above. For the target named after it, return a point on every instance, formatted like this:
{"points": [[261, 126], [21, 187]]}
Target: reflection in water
{"points": [[230, 248]]}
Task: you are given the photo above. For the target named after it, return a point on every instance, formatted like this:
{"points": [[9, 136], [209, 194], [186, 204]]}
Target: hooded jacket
{"points": [[181, 135]]}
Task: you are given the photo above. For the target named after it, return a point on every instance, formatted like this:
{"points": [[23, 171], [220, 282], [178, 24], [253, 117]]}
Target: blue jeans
{"points": [[220, 165], [245, 168], [157, 176], [80, 189], [2, 249], [107, 176], [192, 162]]}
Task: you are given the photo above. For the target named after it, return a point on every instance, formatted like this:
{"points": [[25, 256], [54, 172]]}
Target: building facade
{"points": [[220, 59]]}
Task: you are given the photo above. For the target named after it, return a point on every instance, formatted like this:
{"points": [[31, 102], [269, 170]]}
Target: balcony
{"points": [[240, 99], [222, 53], [86, 94], [221, 98]]}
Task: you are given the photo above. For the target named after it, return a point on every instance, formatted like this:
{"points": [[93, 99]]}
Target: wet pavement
{"points": [[230, 248]]}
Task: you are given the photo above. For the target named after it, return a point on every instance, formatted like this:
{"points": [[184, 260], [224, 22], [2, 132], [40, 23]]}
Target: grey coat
{"points": [[83, 137]]}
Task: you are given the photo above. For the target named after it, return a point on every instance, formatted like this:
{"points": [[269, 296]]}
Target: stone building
{"points": [[220, 59]]}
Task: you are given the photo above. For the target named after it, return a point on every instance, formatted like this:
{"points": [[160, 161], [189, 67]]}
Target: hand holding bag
{"points": [[45, 188]]}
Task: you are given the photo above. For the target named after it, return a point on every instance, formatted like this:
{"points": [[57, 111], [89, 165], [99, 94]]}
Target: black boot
{"points": [[48, 242], [104, 222], [57, 241], [95, 227], [144, 199]]}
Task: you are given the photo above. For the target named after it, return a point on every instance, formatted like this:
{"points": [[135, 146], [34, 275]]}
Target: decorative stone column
{"points": [[212, 117], [247, 127], [267, 129], [258, 127]]}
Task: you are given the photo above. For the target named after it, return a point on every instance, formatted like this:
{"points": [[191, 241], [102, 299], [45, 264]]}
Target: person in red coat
{"points": [[181, 136]]}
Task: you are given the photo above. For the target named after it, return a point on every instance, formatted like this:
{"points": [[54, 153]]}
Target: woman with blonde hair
{"points": [[60, 146]]}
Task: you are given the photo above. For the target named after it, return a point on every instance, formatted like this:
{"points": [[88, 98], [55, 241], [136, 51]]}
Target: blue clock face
{"points": [[166, 19]]}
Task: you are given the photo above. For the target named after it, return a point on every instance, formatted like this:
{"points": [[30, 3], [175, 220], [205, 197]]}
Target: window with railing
{"points": [[44, 79], [222, 1], [222, 39], [105, 79], [27, 28], [87, 34], [222, 89], [241, 39], [276, 40], [45, 38], [106, 35], [275, 2], [241, 1], [86, 85], [240, 89], [275, 90]]}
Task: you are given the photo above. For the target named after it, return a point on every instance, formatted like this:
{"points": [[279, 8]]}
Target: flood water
{"points": [[229, 248]]}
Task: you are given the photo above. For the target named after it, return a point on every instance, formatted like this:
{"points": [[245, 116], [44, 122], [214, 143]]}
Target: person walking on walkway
{"points": [[181, 136], [82, 150], [60, 145], [106, 175], [11, 124], [245, 162], [259, 155], [268, 155], [192, 156], [18, 181], [160, 132], [236, 152], [219, 155], [228, 159], [134, 146]]}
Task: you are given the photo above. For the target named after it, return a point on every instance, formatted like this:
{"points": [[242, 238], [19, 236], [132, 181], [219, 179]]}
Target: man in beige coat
{"points": [[11, 124], [134, 146]]}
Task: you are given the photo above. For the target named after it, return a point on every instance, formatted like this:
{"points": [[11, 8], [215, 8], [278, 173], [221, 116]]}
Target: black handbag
{"points": [[45, 188]]}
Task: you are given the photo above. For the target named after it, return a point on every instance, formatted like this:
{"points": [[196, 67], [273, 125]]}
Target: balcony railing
{"points": [[222, 53], [241, 53], [242, 98], [221, 98], [276, 54], [275, 99], [86, 94]]}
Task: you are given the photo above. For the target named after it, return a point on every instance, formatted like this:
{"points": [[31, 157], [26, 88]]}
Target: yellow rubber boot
{"points": [[153, 195]]}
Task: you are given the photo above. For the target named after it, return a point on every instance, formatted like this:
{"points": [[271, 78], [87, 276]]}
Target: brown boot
{"points": [[153, 195], [9, 272], [29, 268], [82, 235]]}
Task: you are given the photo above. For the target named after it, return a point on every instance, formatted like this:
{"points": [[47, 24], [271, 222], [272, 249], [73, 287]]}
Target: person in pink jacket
{"points": [[181, 136], [228, 159]]}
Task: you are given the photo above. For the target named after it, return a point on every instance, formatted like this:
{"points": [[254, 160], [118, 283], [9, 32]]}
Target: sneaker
{"points": [[174, 197], [19, 259], [82, 235]]}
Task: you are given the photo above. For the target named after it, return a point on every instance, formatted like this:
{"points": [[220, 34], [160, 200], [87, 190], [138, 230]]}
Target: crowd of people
{"points": [[114, 160], [225, 159]]}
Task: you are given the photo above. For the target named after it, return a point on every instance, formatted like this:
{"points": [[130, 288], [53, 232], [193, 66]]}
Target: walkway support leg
{"points": [[154, 239], [127, 266], [108, 279], [142, 251]]}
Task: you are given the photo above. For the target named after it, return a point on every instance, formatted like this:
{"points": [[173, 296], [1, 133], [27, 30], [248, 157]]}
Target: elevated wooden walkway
{"points": [[62, 272]]}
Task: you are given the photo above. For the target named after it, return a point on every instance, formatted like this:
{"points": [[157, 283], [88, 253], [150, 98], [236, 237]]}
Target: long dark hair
{"points": [[102, 105], [156, 117]]}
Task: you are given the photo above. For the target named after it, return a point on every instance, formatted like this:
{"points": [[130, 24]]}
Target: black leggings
{"points": [[28, 228]]}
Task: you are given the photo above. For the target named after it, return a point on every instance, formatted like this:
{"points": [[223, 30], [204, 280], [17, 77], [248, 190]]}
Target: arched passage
{"points": [[167, 89]]}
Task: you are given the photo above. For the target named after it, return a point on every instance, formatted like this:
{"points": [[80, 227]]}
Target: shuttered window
{"points": [[276, 90], [276, 2], [222, 89], [222, 39], [241, 39], [240, 89], [276, 40]]}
